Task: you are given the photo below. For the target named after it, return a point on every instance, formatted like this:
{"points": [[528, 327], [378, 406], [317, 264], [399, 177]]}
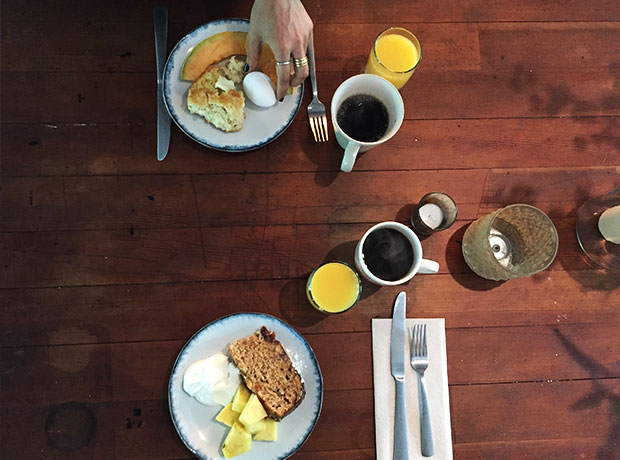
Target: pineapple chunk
{"points": [[256, 427], [270, 433], [227, 416], [240, 398], [252, 412], [237, 441]]}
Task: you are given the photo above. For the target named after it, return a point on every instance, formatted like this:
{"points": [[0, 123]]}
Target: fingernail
{"points": [[246, 67], [282, 100]]}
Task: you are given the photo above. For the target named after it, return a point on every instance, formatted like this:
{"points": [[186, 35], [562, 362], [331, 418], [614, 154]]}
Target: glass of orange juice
{"points": [[394, 56], [334, 287]]}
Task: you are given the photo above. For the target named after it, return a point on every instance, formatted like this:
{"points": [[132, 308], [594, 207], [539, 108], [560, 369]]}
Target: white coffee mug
{"points": [[420, 265], [376, 86]]}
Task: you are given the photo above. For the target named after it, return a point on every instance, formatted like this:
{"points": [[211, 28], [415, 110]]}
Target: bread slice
{"points": [[268, 372], [213, 96]]}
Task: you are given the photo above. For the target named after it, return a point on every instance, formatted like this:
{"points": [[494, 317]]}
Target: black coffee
{"points": [[388, 254], [363, 117]]}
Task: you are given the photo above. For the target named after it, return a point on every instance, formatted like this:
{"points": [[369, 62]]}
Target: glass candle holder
{"points": [[333, 287], [435, 212], [512, 242], [597, 227], [395, 55]]}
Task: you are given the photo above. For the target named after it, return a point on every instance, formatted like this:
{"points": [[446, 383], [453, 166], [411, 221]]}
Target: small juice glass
{"points": [[334, 287], [394, 56]]}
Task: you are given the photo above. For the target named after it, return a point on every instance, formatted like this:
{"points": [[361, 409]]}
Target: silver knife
{"points": [[397, 363], [160, 22]]}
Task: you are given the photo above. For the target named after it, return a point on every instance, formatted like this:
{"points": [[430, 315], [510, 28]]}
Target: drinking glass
{"points": [[512, 242], [333, 287], [395, 55]]}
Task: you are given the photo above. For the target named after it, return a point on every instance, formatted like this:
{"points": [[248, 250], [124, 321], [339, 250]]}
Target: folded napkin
{"points": [[436, 381]]}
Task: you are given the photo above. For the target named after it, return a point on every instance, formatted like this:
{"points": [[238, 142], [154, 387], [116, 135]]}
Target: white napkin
{"points": [[436, 381]]}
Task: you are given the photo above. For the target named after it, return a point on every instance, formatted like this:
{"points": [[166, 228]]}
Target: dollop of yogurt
{"points": [[212, 381]]}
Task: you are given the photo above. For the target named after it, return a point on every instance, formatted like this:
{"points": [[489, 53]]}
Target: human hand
{"points": [[286, 27]]}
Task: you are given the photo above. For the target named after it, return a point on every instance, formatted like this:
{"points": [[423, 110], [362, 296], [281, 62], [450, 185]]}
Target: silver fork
{"points": [[316, 109], [419, 363]]}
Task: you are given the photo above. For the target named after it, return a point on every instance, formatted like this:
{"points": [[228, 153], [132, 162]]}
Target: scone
{"points": [[213, 96], [268, 372]]}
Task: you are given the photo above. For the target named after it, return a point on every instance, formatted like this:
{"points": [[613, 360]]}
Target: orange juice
{"points": [[394, 56], [333, 287]]}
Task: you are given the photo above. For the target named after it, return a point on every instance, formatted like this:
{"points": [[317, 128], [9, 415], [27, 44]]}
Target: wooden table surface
{"points": [[110, 260]]}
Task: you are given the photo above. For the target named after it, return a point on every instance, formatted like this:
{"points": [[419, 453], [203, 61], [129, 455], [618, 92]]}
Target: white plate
{"points": [[262, 125], [196, 423]]}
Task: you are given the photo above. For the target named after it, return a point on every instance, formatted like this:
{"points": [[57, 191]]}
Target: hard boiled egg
{"points": [[259, 89]]}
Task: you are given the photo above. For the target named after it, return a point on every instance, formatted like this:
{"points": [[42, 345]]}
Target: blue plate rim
{"points": [[256, 315], [173, 115]]}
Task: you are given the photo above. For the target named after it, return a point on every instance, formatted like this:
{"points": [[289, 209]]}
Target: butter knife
{"points": [[397, 363], [160, 23]]}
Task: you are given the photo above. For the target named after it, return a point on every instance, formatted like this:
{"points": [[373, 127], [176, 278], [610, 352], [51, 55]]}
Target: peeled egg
{"points": [[259, 89]]}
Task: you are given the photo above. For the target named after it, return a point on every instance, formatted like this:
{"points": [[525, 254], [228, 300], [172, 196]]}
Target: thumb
{"points": [[253, 50]]}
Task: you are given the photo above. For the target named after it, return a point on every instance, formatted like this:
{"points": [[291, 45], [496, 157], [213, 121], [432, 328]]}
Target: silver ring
{"points": [[283, 62], [301, 61]]}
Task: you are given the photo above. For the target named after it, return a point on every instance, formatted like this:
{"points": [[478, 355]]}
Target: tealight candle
{"points": [[431, 215], [435, 212], [609, 224]]}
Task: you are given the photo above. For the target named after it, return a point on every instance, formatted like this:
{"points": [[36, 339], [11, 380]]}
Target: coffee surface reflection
{"points": [[388, 254], [363, 117]]}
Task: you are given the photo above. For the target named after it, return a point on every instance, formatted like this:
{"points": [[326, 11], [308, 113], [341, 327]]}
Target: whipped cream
{"points": [[212, 381]]}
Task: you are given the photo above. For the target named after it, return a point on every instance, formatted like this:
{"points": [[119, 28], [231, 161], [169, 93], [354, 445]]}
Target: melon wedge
{"points": [[220, 46]]}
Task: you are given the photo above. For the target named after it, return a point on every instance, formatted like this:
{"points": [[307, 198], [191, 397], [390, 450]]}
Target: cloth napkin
{"points": [[436, 381]]}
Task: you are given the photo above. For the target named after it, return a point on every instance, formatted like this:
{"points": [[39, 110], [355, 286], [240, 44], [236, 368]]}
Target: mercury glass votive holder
{"points": [[516, 241]]}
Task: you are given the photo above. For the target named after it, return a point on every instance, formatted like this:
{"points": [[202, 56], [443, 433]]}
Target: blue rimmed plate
{"points": [[261, 125], [196, 423]]}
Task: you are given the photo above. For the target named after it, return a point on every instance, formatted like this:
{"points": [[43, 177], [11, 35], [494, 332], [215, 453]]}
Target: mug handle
{"points": [[350, 154], [428, 267]]}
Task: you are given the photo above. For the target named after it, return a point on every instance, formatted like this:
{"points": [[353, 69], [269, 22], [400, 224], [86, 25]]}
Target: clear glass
{"points": [[341, 308], [602, 252], [512, 242], [376, 67]]}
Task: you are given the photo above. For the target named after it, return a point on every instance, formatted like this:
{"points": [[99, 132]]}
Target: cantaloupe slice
{"points": [[220, 46]]}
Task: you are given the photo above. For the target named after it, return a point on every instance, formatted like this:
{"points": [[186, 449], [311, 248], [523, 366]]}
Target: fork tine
{"points": [[313, 129], [324, 119], [424, 344], [319, 129]]}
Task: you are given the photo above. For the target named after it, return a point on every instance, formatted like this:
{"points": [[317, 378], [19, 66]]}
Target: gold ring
{"points": [[283, 62], [301, 61]]}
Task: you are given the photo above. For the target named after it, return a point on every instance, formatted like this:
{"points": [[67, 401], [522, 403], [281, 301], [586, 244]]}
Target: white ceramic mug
{"points": [[376, 86], [420, 265]]}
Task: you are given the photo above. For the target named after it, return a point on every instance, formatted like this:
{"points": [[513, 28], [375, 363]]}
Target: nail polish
{"points": [[246, 67], [281, 100]]}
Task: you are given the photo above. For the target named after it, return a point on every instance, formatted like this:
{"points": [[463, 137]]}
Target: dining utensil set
{"points": [[419, 363]]}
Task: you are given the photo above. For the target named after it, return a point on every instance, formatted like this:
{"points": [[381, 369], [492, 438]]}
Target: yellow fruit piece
{"points": [[227, 416], [238, 440], [252, 412], [220, 46], [240, 398], [256, 427], [270, 433]]}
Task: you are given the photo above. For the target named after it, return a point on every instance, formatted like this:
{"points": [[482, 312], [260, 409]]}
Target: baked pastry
{"points": [[213, 96], [268, 372]]}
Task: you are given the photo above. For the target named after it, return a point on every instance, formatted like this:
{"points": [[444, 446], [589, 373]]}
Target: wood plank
{"points": [[125, 97], [127, 47], [358, 12], [116, 313], [98, 202], [104, 149], [171, 201], [537, 410], [78, 258], [549, 449], [35, 376]]}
